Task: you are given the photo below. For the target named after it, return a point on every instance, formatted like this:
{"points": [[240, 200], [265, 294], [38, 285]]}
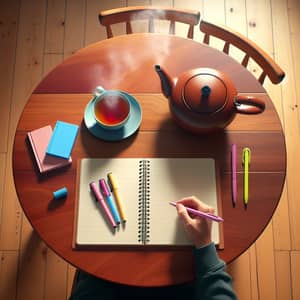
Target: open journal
{"points": [[145, 186]]}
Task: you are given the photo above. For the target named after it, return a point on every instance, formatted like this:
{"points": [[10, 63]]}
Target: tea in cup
{"points": [[111, 109]]}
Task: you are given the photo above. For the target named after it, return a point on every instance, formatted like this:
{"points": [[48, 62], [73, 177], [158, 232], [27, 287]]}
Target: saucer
{"points": [[129, 128]]}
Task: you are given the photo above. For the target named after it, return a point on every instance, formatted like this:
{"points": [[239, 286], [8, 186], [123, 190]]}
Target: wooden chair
{"points": [[128, 14], [268, 66]]}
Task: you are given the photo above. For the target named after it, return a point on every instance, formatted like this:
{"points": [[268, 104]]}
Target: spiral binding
{"points": [[144, 202]]}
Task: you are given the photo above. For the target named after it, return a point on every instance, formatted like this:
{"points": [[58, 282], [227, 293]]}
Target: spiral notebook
{"points": [[146, 186]]}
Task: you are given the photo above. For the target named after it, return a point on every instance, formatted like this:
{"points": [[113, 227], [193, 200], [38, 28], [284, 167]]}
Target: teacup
{"points": [[111, 108]]}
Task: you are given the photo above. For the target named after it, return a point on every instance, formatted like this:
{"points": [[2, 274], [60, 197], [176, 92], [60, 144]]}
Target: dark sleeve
{"points": [[212, 281]]}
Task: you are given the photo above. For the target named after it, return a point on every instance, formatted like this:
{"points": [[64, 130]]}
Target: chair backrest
{"points": [[267, 64], [128, 14]]}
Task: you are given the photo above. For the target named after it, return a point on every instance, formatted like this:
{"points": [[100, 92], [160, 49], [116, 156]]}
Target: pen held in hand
{"points": [[201, 213]]}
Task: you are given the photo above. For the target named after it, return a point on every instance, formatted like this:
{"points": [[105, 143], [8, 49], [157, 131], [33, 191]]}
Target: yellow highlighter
{"points": [[114, 189], [246, 162]]}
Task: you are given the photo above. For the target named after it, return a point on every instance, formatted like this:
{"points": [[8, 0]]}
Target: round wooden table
{"points": [[127, 63]]}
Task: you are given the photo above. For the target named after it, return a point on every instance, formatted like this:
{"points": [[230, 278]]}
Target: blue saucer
{"points": [[129, 128]]}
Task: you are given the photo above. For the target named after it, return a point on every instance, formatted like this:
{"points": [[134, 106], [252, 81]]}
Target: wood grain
{"points": [[281, 226], [259, 28], [56, 277], [74, 26], [70, 276], [254, 273], [295, 267], [11, 213], [283, 282], [93, 31], [2, 180], [282, 230], [239, 270], [107, 64], [290, 94], [265, 265], [55, 26], [8, 36], [32, 265], [8, 274]]}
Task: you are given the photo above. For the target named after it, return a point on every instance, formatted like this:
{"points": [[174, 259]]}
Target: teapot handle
{"points": [[249, 104]]}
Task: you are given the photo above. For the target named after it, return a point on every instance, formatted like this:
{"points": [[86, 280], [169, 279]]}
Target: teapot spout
{"points": [[166, 81]]}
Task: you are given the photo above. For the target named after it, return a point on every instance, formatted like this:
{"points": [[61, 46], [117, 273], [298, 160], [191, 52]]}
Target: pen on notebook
{"points": [[106, 193], [101, 201], [233, 174], [246, 162], [114, 188], [201, 213]]}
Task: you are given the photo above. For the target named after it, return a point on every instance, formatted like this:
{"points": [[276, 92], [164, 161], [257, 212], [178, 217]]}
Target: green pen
{"points": [[246, 162]]}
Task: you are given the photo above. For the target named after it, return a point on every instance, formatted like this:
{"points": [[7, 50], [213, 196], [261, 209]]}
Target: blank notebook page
{"points": [[171, 180]]}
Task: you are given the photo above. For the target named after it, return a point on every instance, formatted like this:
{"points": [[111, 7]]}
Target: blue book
{"points": [[62, 140]]}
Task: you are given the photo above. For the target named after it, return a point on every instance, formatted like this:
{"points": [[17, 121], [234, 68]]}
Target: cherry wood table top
{"points": [[127, 63]]}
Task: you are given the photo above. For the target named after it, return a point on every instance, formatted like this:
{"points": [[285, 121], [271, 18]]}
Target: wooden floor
{"points": [[37, 35]]}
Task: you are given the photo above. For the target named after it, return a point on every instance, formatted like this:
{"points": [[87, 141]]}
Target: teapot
{"points": [[204, 99]]}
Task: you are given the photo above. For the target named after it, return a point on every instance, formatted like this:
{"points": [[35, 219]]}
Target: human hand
{"points": [[198, 228]]}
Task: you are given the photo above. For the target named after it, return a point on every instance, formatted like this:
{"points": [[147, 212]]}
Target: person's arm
{"points": [[212, 281]]}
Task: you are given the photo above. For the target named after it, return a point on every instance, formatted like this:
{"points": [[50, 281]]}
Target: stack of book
{"points": [[52, 149]]}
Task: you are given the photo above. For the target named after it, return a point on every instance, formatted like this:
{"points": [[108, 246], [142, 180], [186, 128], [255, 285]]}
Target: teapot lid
{"points": [[205, 93]]}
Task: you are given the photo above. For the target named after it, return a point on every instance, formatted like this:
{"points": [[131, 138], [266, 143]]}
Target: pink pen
{"points": [[100, 199], [233, 173], [201, 213]]}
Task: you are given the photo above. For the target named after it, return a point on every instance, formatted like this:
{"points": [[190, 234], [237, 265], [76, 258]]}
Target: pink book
{"points": [[39, 140]]}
